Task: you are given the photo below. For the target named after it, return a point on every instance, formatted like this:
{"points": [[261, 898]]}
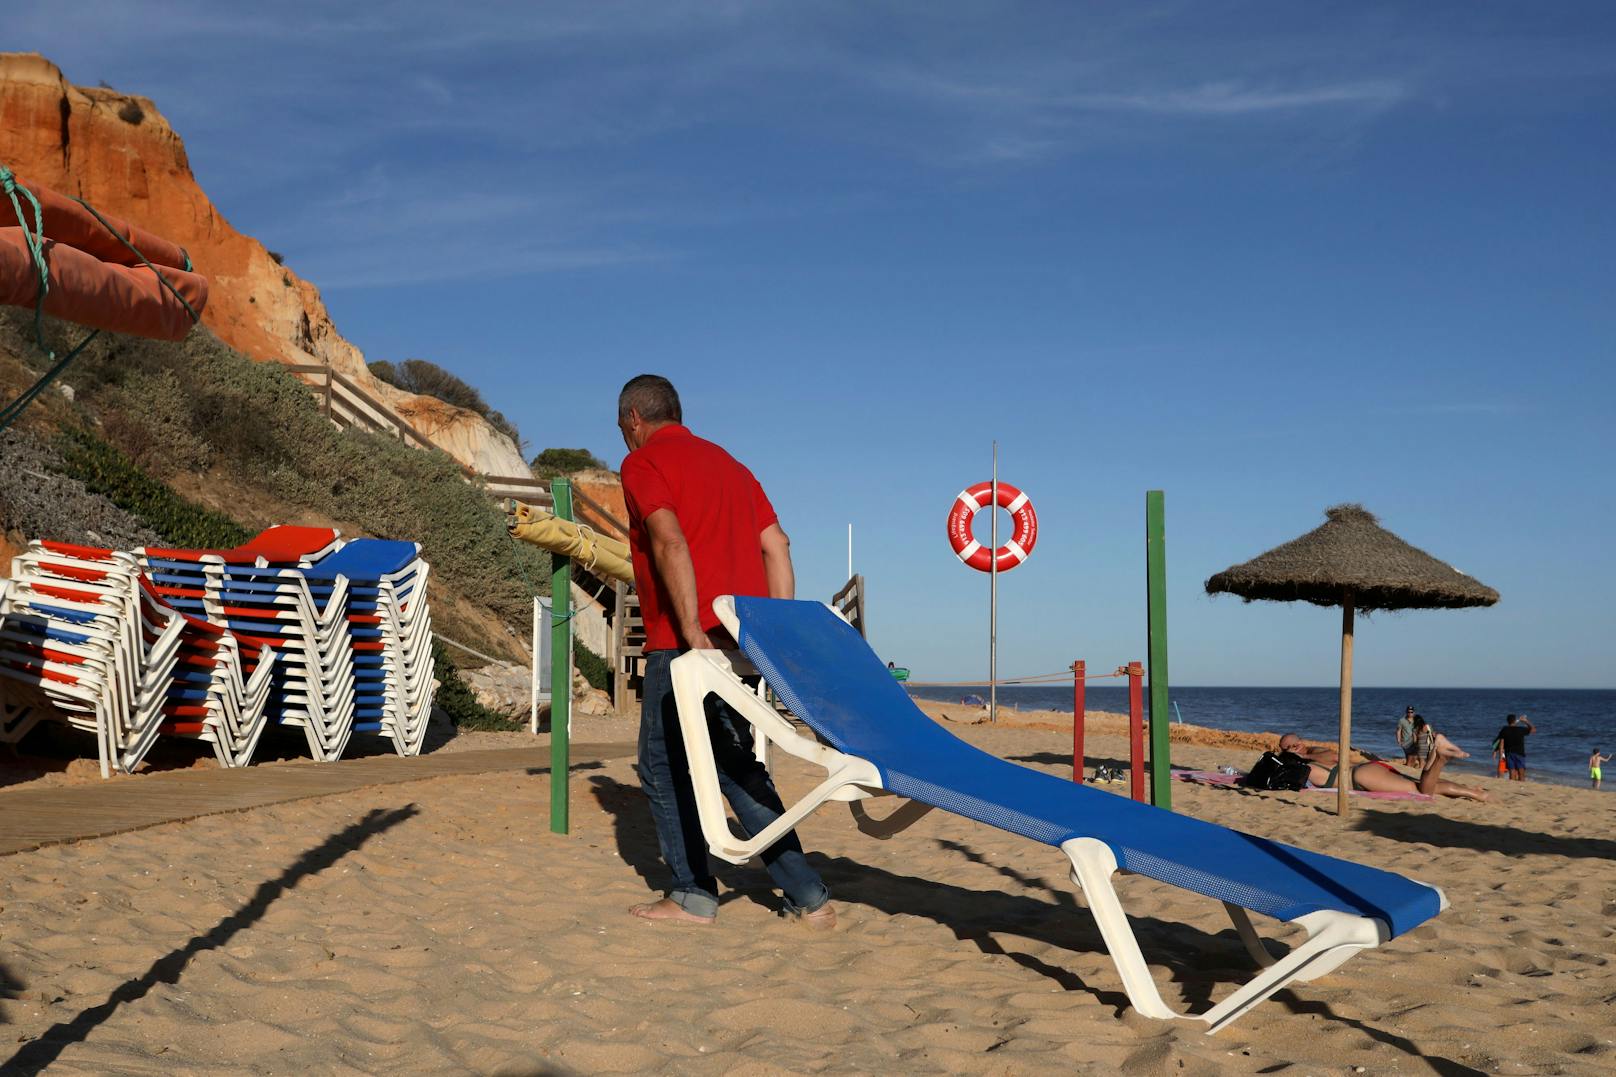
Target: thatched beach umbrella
{"points": [[1352, 562]]}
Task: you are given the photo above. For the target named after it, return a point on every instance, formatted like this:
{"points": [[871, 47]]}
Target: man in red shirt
{"points": [[700, 526]]}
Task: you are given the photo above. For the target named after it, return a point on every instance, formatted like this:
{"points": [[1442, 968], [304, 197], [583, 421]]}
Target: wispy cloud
{"points": [[613, 108], [1233, 99]]}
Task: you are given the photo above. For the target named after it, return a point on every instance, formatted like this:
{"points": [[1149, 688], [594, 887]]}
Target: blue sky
{"points": [[1266, 257]]}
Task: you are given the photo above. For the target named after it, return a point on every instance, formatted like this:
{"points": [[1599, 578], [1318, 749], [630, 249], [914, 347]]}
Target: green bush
{"points": [[594, 668], [106, 471], [266, 429], [457, 701], [430, 379], [553, 462]]}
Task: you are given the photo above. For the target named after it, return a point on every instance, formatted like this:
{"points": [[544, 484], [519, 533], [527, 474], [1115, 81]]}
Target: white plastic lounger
{"points": [[877, 742]]}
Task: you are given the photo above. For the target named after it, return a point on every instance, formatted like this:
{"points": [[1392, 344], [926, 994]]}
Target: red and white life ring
{"points": [[970, 501]]}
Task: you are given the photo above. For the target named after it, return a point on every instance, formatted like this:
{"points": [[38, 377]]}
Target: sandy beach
{"points": [[438, 927]]}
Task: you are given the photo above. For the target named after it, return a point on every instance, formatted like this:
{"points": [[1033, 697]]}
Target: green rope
{"points": [[35, 241], [15, 409]]}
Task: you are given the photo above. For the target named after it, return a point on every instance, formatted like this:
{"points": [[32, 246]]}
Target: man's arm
{"points": [[670, 560], [777, 562]]}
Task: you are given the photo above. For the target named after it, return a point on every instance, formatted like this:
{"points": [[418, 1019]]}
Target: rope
{"points": [[1034, 679], [195, 317], [441, 638], [35, 242]]}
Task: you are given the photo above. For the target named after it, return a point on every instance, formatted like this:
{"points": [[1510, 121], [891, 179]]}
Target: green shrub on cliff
{"points": [[430, 379], [200, 407], [552, 462], [106, 471]]}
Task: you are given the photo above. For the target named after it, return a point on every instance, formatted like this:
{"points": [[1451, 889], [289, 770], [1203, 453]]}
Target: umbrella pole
{"points": [[1343, 771]]}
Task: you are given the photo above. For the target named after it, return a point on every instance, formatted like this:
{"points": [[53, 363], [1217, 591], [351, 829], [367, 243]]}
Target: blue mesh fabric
{"points": [[829, 677]]}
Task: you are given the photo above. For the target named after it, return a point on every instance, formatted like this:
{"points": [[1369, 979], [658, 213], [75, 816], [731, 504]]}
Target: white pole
{"points": [[849, 551], [533, 702], [993, 599]]}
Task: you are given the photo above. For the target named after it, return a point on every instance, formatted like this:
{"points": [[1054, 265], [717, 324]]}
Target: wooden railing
{"points": [[346, 404], [849, 602], [522, 488], [596, 515]]}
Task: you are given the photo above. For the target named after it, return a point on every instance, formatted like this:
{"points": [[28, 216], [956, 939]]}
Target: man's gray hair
{"points": [[653, 396]]}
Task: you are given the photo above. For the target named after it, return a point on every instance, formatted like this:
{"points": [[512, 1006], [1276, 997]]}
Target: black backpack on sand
{"points": [[1282, 770]]}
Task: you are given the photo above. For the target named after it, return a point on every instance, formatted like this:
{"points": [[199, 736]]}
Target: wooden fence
{"points": [[346, 404]]}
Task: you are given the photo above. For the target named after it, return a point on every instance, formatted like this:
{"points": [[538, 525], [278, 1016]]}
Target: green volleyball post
{"points": [[560, 667], [1161, 764]]}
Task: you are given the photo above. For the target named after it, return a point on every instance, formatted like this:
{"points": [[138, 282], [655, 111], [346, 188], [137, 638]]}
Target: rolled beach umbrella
{"points": [[1352, 562], [602, 554]]}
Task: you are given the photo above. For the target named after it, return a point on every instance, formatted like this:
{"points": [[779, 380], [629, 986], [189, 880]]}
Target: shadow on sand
{"points": [[10, 986], [1432, 829], [636, 839], [40, 1053], [1201, 964]]}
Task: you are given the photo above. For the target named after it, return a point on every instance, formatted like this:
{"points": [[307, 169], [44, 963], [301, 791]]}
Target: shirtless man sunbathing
{"points": [[1376, 776]]}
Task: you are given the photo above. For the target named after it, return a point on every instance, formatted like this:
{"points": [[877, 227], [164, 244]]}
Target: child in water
{"points": [[1595, 775]]}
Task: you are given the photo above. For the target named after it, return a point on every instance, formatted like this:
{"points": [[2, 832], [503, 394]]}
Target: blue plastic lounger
{"points": [[877, 742]]}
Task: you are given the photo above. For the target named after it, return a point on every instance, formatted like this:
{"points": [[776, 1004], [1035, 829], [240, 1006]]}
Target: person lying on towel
{"points": [[1375, 776]]}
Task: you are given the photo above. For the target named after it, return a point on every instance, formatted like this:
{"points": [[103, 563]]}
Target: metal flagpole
{"points": [[993, 599]]}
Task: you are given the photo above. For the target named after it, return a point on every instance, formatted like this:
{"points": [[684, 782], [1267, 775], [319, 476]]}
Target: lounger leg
{"points": [[898, 820], [694, 675], [1093, 864], [1332, 938], [1248, 935]]}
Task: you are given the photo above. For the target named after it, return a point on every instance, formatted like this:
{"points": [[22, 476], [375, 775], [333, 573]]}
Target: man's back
{"points": [[722, 511], [1514, 739]]}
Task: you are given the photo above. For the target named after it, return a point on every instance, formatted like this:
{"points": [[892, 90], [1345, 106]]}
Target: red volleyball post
{"points": [[1079, 684], [1136, 731]]}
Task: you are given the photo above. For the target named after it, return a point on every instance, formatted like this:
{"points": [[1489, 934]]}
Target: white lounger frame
{"points": [[1332, 936]]}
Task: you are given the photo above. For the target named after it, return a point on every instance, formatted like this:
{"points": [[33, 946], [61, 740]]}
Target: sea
{"points": [[1570, 723]]}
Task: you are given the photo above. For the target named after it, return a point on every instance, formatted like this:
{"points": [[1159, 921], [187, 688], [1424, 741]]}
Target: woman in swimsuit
{"points": [[1375, 776]]}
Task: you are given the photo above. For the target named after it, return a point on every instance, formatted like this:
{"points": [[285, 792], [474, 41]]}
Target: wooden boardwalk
{"points": [[30, 818]]}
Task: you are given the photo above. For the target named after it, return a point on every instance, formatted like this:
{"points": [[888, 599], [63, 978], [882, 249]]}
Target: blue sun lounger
{"points": [[877, 742]]}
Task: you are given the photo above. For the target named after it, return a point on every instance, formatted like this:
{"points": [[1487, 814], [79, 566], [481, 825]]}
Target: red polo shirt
{"points": [[722, 510]]}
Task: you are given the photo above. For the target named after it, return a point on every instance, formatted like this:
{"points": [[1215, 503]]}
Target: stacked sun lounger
{"points": [[294, 628], [257, 593], [376, 591], [77, 639]]}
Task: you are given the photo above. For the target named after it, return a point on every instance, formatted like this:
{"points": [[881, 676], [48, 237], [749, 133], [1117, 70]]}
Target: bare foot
{"points": [[821, 919], [1450, 749], [669, 911]]}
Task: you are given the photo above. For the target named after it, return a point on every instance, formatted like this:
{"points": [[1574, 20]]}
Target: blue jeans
{"points": [[665, 777]]}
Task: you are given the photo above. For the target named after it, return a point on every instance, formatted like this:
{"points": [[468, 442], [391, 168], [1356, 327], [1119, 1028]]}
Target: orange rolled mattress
{"points": [[84, 289], [94, 279]]}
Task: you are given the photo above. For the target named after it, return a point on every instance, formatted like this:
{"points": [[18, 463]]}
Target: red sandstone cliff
{"points": [[117, 152]]}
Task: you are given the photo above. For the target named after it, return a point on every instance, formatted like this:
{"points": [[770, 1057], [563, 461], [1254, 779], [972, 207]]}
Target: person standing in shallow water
{"points": [[700, 526], [1512, 738], [1405, 736], [1595, 774]]}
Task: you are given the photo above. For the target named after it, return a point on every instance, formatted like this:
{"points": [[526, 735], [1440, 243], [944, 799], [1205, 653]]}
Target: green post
{"points": [[1161, 776], [560, 667]]}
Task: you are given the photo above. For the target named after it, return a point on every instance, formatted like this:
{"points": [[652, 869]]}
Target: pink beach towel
{"points": [[1214, 777]]}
